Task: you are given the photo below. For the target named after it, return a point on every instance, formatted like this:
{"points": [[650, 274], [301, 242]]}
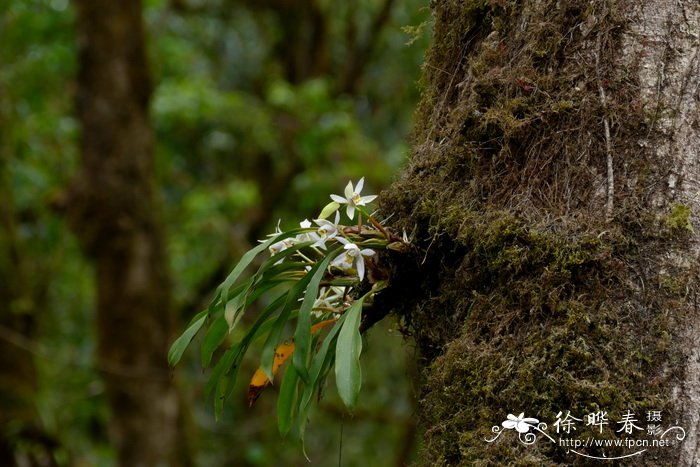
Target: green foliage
{"points": [[286, 406], [300, 261], [229, 126], [180, 345], [348, 374]]}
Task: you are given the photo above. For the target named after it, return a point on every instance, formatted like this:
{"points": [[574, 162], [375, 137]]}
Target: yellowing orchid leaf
{"points": [[260, 381]]}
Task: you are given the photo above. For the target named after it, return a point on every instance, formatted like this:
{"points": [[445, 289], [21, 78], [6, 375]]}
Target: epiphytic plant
{"points": [[322, 275]]}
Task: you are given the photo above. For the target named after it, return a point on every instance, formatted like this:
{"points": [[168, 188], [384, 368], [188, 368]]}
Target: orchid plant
{"points": [[322, 274]]}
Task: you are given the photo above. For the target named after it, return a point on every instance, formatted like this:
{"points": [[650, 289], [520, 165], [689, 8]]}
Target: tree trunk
{"points": [[23, 440], [553, 193], [113, 207]]}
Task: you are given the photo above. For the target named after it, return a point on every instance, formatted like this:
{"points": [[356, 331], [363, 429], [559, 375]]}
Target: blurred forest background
{"points": [[259, 110]]}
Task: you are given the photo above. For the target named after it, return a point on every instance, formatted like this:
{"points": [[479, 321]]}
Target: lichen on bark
{"points": [[545, 276]]}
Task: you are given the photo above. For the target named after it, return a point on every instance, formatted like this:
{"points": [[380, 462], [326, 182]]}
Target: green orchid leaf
{"points": [[233, 310], [222, 367], [302, 335], [273, 338], [235, 307], [247, 258], [222, 389], [286, 267], [182, 342], [213, 339], [348, 373], [277, 257], [287, 400], [231, 358], [320, 362]]}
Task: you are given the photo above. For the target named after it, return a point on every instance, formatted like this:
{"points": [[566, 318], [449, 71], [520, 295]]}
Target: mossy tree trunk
{"points": [[553, 192], [112, 206]]}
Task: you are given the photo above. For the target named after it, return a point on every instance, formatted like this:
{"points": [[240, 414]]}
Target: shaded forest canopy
{"points": [[525, 294], [258, 111]]}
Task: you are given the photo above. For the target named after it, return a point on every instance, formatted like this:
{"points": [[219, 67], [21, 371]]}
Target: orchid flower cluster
{"points": [[352, 260], [318, 272]]}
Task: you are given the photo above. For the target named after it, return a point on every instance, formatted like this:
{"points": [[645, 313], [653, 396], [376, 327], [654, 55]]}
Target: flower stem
{"points": [[379, 227], [303, 256]]}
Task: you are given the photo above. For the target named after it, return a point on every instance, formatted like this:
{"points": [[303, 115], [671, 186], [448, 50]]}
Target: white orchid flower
{"points": [[306, 237], [521, 424], [353, 197], [278, 230], [281, 246], [352, 256], [328, 298], [326, 230]]}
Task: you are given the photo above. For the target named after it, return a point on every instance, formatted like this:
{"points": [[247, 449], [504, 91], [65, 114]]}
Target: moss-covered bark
{"points": [[556, 265]]}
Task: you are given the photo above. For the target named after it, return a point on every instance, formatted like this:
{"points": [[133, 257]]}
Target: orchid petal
{"points": [[353, 250], [348, 190], [350, 211], [339, 199], [360, 267], [360, 184], [367, 199], [343, 262]]}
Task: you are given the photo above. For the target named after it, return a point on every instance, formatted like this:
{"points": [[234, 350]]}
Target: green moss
{"points": [[679, 218], [519, 293]]}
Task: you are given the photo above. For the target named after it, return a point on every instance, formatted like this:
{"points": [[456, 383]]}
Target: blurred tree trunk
{"points": [[113, 208], [554, 192], [23, 440]]}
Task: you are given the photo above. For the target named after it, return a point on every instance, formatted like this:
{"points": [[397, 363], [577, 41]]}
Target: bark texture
{"points": [[666, 38], [553, 194], [113, 207]]}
